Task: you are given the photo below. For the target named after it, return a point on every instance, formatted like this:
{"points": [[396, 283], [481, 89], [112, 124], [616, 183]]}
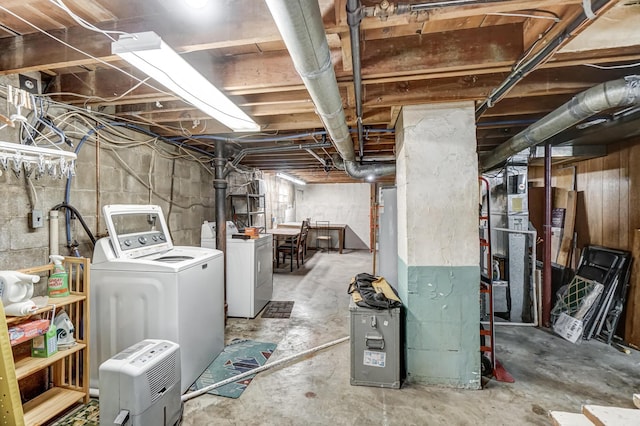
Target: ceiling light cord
{"points": [[82, 22], [106, 33], [88, 55]]}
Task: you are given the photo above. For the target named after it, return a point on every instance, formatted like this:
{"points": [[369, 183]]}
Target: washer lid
{"points": [[137, 230]]}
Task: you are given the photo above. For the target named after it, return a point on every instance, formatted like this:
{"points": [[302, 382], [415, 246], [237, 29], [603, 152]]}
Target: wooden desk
{"points": [[340, 227], [288, 234]]}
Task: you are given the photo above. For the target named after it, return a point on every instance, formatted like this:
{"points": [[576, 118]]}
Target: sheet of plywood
{"points": [[624, 229], [594, 200], [611, 199], [562, 418], [611, 416], [632, 310], [569, 225]]}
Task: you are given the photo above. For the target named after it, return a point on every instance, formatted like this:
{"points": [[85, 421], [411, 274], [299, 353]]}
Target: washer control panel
{"points": [[139, 240]]}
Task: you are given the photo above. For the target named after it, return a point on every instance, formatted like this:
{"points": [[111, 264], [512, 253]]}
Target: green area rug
{"points": [[236, 358], [86, 415]]}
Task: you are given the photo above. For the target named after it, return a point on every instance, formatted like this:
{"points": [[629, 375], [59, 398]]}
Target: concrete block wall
{"points": [[125, 175], [338, 203]]}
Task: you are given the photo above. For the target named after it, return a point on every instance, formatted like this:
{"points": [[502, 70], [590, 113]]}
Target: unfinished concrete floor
{"points": [[550, 373]]}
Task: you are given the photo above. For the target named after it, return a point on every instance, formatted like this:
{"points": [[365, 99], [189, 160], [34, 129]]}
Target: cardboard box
{"points": [[45, 345], [27, 330], [568, 328]]}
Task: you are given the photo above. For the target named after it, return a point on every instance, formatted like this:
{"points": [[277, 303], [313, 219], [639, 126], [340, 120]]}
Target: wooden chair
{"points": [[306, 226], [323, 233], [296, 247]]}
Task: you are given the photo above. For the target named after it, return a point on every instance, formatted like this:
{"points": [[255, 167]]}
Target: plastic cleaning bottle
{"points": [[58, 284]]}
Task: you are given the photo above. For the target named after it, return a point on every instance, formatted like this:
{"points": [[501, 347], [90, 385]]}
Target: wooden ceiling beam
{"points": [[464, 49], [476, 87], [244, 24], [275, 69]]}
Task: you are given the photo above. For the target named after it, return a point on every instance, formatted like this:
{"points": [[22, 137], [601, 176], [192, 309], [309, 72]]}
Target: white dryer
{"points": [[144, 287], [249, 270]]}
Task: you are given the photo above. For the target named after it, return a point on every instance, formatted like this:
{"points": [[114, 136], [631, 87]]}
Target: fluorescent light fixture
{"points": [[197, 4], [291, 179], [147, 52]]}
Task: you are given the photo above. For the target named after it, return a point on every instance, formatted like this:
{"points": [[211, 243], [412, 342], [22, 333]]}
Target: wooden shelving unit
{"points": [[70, 384]]}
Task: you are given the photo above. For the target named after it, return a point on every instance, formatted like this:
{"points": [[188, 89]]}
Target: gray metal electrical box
{"points": [[376, 349]]}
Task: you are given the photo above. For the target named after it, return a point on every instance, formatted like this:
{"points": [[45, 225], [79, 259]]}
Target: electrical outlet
{"points": [[35, 219]]}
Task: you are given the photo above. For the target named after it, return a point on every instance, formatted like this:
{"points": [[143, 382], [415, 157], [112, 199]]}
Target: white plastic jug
{"points": [[16, 286]]}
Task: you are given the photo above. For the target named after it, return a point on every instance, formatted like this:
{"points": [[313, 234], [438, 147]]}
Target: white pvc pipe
{"points": [[53, 232], [204, 390]]}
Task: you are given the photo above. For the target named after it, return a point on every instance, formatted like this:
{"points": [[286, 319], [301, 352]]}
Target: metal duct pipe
{"points": [[359, 171], [354, 16], [301, 27], [364, 171], [612, 94]]}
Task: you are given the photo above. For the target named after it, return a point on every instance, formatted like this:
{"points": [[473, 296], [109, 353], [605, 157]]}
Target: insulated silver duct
{"points": [[612, 94], [367, 171], [301, 27]]}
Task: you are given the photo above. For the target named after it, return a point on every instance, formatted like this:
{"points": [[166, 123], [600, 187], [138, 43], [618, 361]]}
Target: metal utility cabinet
{"points": [[375, 347]]}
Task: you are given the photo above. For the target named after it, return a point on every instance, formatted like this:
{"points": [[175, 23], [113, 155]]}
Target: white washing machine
{"points": [[249, 270], [144, 287]]}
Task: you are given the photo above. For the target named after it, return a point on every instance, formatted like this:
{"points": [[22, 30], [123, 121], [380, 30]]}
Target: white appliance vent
{"points": [[140, 386], [161, 377]]}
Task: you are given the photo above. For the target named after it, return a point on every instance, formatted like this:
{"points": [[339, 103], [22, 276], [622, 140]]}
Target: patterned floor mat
{"points": [[278, 310], [236, 358], [87, 415]]}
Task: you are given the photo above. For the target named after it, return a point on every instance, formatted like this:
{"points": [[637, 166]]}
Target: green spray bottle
{"points": [[58, 284]]}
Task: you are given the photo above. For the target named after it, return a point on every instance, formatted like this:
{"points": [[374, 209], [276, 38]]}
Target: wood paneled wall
{"points": [[609, 197]]}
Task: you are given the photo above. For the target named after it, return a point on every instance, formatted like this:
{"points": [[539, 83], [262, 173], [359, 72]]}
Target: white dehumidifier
{"points": [[141, 385]]}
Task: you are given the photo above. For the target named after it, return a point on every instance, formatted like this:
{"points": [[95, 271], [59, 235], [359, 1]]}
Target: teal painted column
{"points": [[438, 245]]}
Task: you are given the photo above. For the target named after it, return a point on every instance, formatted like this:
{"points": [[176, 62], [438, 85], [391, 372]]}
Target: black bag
{"points": [[370, 297]]}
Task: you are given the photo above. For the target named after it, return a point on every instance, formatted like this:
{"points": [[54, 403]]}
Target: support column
{"points": [[220, 185], [438, 243]]}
